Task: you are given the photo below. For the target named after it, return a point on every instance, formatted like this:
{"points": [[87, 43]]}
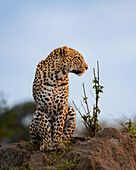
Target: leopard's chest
{"points": [[54, 99]]}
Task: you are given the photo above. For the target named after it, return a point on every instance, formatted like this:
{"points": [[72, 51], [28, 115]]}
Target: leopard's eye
{"points": [[79, 59]]}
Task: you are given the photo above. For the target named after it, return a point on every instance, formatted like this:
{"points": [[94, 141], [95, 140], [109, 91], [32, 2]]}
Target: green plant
{"points": [[26, 166], [91, 121], [67, 164], [131, 127], [55, 158], [7, 168], [50, 159]]}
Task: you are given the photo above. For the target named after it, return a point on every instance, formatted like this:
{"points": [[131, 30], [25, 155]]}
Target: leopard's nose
{"points": [[86, 66]]}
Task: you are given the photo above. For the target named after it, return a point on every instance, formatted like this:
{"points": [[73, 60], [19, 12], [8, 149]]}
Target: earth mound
{"points": [[109, 150]]}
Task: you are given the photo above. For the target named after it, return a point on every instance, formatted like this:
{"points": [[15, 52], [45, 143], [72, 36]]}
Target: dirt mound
{"points": [[108, 150]]}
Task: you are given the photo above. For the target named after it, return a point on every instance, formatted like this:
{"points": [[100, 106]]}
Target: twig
{"points": [[85, 122], [97, 96], [86, 101], [98, 72], [77, 109], [83, 107]]}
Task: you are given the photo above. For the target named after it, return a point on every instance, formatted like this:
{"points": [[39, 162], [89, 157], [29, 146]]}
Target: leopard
{"points": [[53, 122]]}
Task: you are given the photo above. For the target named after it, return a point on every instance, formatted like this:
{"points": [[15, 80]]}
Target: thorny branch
{"points": [[91, 122]]}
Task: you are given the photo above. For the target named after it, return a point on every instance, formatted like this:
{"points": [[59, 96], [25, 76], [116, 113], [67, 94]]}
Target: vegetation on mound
{"points": [[51, 159], [91, 122]]}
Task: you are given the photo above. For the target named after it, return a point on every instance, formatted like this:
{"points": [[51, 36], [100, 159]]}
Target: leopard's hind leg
{"points": [[69, 125]]}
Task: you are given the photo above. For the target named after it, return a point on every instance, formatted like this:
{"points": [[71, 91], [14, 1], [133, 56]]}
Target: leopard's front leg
{"points": [[40, 129], [69, 125], [58, 125]]}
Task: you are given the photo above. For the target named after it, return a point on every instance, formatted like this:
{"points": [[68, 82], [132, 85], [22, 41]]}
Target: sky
{"points": [[99, 30]]}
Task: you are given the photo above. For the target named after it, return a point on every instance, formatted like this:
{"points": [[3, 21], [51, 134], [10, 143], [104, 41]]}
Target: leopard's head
{"points": [[73, 61]]}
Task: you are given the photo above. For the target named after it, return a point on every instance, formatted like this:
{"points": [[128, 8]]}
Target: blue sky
{"points": [[99, 30]]}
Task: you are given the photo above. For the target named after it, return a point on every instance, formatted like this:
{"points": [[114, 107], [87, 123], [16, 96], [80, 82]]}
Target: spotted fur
{"points": [[53, 122]]}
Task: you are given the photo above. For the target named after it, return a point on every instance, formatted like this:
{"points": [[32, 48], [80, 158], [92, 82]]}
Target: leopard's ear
{"points": [[64, 51]]}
